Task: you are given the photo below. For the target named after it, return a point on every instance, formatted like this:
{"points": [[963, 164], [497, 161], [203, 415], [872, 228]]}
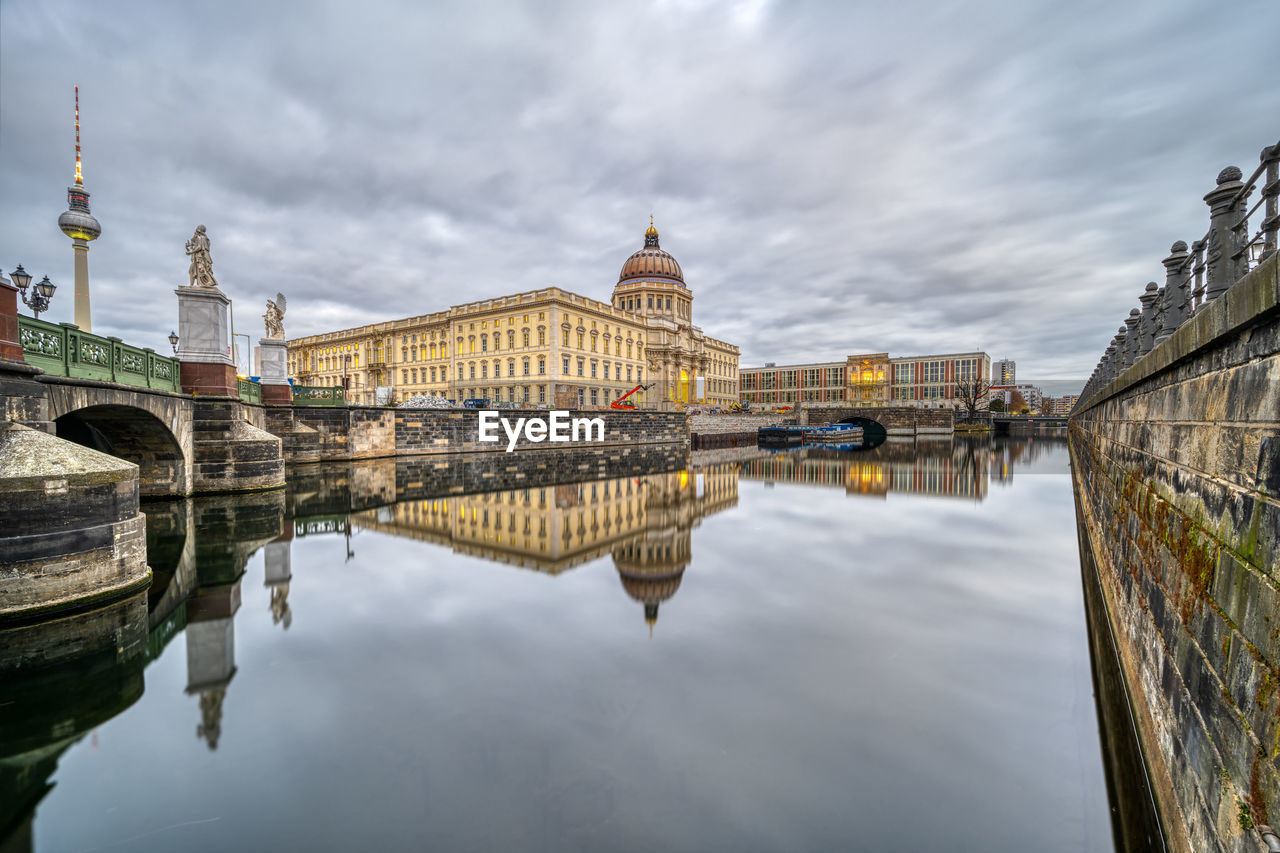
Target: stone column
{"points": [[204, 347], [273, 371], [1224, 264]]}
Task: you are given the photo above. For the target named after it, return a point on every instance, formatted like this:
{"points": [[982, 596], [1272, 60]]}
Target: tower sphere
{"points": [[77, 223]]}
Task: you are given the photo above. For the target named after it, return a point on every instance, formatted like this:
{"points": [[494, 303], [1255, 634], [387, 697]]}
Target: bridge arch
{"points": [[149, 429], [874, 433]]}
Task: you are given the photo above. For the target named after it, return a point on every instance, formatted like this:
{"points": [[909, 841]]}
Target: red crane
{"points": [[623, 403]]}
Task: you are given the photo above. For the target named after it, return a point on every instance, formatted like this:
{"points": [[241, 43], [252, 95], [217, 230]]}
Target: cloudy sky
{"points": [[833, 177]]}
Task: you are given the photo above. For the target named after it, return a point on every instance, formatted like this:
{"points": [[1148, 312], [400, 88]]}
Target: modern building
{"points": [[1063, 405], [540, 347], [1004, 372], [864, 379]]}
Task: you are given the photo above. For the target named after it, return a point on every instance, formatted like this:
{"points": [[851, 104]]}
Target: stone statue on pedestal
{"points": [[200, 272], [274, 318]]}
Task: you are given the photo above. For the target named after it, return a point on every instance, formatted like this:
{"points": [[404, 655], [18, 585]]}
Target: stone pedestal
{"points": [[10, 348], [273, 371], [204, 341]]}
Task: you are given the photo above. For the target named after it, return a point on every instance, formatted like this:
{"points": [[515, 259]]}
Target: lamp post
{"points": [[173, 341], [40, 295]]}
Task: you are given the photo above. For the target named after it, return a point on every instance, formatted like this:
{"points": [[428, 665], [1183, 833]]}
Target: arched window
{"points": [[525, 337]]}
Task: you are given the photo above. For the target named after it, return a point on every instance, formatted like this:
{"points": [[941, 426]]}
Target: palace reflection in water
{"points": [[548, 515]]}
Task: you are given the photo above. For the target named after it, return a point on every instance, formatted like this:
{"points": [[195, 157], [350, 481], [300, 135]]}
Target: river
{"points": [[801, 650]]}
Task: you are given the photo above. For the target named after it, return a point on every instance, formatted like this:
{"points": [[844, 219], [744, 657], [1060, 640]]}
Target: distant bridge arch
{"points": [[874, 433]]}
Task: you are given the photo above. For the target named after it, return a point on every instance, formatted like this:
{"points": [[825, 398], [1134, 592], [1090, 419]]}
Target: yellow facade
{"points": [[517, 349]]}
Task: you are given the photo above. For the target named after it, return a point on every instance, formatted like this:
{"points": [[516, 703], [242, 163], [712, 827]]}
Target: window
{"points": [[595, 400], [497, 341], [617, 373], [459, 371], [511, 366], [524, 366], [566, 365], [542, 337], [404, 377], [651, 302], [524, 336], [668, 303], [593, 368], [473, 370], [511, 339], [542, 393], [484, 343], [580, 337], [414, 374], [580, 365], [564, 337], [628, 373], [433, 374], [484, 370], [617, 346], [542, 366], [404, 353]]}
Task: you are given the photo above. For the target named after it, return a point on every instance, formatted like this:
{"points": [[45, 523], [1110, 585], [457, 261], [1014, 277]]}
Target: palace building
{"points": [[541, 347]]}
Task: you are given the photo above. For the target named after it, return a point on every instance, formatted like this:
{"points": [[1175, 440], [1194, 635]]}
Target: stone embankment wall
{"points": [[1177, 474], [740, 423], [456, 430], [316, 433]]}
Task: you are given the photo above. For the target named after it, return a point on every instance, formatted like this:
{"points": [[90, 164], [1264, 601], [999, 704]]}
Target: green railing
{"points": [[250, 392], [315, 395], [61, 349]]}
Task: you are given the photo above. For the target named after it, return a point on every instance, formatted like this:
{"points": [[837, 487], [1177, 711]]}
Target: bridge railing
{"points": [[62, 349], [250, 392], [1196, 275], [318, 395]]}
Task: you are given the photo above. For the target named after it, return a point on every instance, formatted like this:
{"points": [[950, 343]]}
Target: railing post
{"points": [[1271, 192], [1132, 346], [1197, 293], [1174, 305], [1147, 329], [1224, 258]]}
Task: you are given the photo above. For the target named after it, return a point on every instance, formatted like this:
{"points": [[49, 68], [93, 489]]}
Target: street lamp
{"points": [[173, 341], [40, 294]]}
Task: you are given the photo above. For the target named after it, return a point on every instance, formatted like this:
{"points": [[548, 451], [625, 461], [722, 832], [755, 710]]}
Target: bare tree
{"points": [[972, 396]]}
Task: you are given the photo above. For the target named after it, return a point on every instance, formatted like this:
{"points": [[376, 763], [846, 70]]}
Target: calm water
{"points": [[798, 651]]}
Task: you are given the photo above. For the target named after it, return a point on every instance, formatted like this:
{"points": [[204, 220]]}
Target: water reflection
{"points": [[544, 513]]}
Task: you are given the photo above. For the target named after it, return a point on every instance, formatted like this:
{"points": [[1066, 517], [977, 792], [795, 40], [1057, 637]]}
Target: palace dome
{"points": [[651, 262]]}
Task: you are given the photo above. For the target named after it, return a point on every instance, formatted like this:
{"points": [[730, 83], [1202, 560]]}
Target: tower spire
{"points": [[79, 177]]}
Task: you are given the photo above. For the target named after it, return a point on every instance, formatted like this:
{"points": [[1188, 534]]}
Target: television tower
{"points": [[78, 224]]}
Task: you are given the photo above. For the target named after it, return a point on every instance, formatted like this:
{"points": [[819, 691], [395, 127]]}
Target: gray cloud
{"points": [[912, 177]]}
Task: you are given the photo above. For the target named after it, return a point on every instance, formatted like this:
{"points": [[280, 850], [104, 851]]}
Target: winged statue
{"points": [[274, 318]]}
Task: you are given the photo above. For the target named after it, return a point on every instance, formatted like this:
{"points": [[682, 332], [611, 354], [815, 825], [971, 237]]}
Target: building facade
{"points": [[542, 347], [864, 379], [1004, 372]]}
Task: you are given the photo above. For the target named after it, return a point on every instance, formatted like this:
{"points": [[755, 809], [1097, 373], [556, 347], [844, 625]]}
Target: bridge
{"points": [[1175, 447], [1024, 424]]}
